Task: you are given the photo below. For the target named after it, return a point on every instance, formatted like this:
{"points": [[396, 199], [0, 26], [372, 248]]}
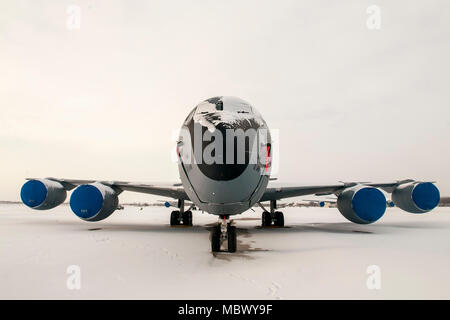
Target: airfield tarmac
{"points": [[135, 254]]}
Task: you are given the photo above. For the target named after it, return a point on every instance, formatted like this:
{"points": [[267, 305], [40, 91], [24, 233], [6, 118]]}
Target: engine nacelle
{"points": [[362, 204], [416, 197], [43, 194], [94, 202]]}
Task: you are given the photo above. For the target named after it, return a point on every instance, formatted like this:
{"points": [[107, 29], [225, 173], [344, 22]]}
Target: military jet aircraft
{"points": [[225, 159]]}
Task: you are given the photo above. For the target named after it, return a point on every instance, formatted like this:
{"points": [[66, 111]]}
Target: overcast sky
{"points": [[102, 101]]}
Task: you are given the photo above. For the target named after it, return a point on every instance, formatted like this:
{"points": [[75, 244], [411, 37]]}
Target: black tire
{"points": [[215, 240], [174, 218], [187, 218], [266, 219], [232, 239], [279, 219]]}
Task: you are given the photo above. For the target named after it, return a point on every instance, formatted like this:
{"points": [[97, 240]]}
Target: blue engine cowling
{"points": [[43, 194], [362, 204], [416, 197], [94, 202]]}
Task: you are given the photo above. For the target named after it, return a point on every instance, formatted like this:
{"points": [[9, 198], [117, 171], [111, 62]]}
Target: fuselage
{"points": [[224, 155]]}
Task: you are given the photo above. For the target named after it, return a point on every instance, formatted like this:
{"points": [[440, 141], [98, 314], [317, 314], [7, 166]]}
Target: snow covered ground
{"points": [[135, 254]]}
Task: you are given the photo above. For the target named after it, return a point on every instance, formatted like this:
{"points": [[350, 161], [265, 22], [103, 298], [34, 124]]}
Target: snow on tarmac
{"points": [[135, 254]]}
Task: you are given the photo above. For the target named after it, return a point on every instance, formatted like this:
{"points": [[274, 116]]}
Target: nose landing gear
{"points": [[224, 232]]}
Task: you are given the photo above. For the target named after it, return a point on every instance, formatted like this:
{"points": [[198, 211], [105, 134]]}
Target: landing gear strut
{"points": [[224, 232], [272, 217], [181, 217]]}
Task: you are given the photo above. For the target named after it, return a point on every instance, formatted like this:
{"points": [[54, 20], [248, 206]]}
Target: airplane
{"points": [[224, 156]]}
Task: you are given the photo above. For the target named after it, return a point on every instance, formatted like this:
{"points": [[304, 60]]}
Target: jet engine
{"points": [[94, 202], [362, 204], [416, 197], [43, 194]]}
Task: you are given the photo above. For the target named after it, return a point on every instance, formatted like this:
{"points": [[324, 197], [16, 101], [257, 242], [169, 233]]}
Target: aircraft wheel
{"points": [[266, 219], [232, 238], [174, 218], [187, 218], [215, 239], [279, 219]]}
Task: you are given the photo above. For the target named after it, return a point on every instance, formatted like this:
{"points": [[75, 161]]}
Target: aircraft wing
{"points": [[277, 193], [174, 191]]}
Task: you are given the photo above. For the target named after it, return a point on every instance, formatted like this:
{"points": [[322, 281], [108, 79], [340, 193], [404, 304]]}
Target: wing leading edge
{"points": [[174, 191], [278, 193]]}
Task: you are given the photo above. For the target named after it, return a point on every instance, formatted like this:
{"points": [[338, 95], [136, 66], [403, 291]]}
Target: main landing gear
{"points": [[224, 232], [272, 217], [181, 217]]}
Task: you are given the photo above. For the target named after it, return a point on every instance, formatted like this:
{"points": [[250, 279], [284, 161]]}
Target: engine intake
{"points": [[42, 194], [416, 197], [94, 202], [362, 204]]}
